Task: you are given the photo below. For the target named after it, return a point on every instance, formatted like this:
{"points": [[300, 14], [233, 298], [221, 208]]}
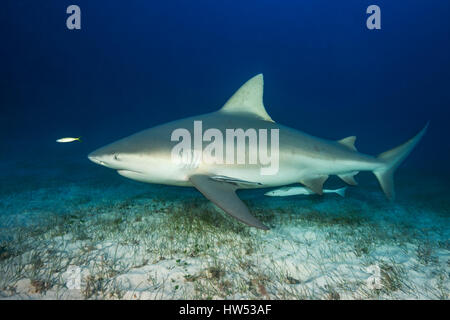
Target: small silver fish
{"points": [[292, 191], [65, 140]]}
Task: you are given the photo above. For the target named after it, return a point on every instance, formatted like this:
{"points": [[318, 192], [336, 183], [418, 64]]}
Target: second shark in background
{"points": [[292, 191]]}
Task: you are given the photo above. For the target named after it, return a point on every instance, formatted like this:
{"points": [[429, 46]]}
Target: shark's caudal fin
{"points": [[392, 159]]}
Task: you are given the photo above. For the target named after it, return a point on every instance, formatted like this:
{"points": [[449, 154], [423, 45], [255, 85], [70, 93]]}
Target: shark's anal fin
{"points": [[315, 184], [349, 178], [223, 194], [349, 142]]}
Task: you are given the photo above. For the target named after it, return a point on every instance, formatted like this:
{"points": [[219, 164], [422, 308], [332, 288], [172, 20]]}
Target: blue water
{"points": [[135, 64]]}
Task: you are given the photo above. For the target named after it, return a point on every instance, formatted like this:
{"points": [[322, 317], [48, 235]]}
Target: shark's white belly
{"points": [[292, 168]]}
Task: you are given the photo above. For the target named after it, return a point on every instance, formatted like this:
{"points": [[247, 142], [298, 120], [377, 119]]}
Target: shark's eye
{"points": [[116, 157]]}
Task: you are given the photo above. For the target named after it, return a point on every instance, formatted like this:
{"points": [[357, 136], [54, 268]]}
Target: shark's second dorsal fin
{"points": [[349, 142], [249, 99]]}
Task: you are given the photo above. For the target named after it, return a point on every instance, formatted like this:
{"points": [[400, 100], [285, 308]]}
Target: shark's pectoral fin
{"points": [[349, 178], [315, 184], [223, 194]]}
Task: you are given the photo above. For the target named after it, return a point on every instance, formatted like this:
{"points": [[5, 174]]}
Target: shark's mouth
{"points": [[97, 161], [133, 175], [126, 173]]}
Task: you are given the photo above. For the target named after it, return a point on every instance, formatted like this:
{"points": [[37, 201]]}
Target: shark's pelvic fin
{"points": [[391, 160], [349, 142], [249, 99], [349, 178], [223, 194], [315, 184]]}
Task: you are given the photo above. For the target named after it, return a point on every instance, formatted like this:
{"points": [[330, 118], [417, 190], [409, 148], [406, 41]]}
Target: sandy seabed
{"points": [[82, 232]]}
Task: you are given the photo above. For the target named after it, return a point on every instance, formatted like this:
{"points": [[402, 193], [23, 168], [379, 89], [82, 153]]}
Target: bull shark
{"points": [[147, 156]]}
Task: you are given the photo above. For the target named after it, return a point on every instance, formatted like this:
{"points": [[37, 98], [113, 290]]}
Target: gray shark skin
{"points": [[146, 156]]}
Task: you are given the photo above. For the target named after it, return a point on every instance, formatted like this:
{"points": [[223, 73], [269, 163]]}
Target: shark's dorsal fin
{"points": [[249, 99], [349, 142]]}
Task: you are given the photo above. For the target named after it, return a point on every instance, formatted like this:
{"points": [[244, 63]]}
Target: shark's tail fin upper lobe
{"points": [[391, 160]]}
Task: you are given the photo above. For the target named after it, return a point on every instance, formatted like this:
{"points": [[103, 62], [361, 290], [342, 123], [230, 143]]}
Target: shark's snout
{"points": [[97, 157], [110, 158], [92, 157]]}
